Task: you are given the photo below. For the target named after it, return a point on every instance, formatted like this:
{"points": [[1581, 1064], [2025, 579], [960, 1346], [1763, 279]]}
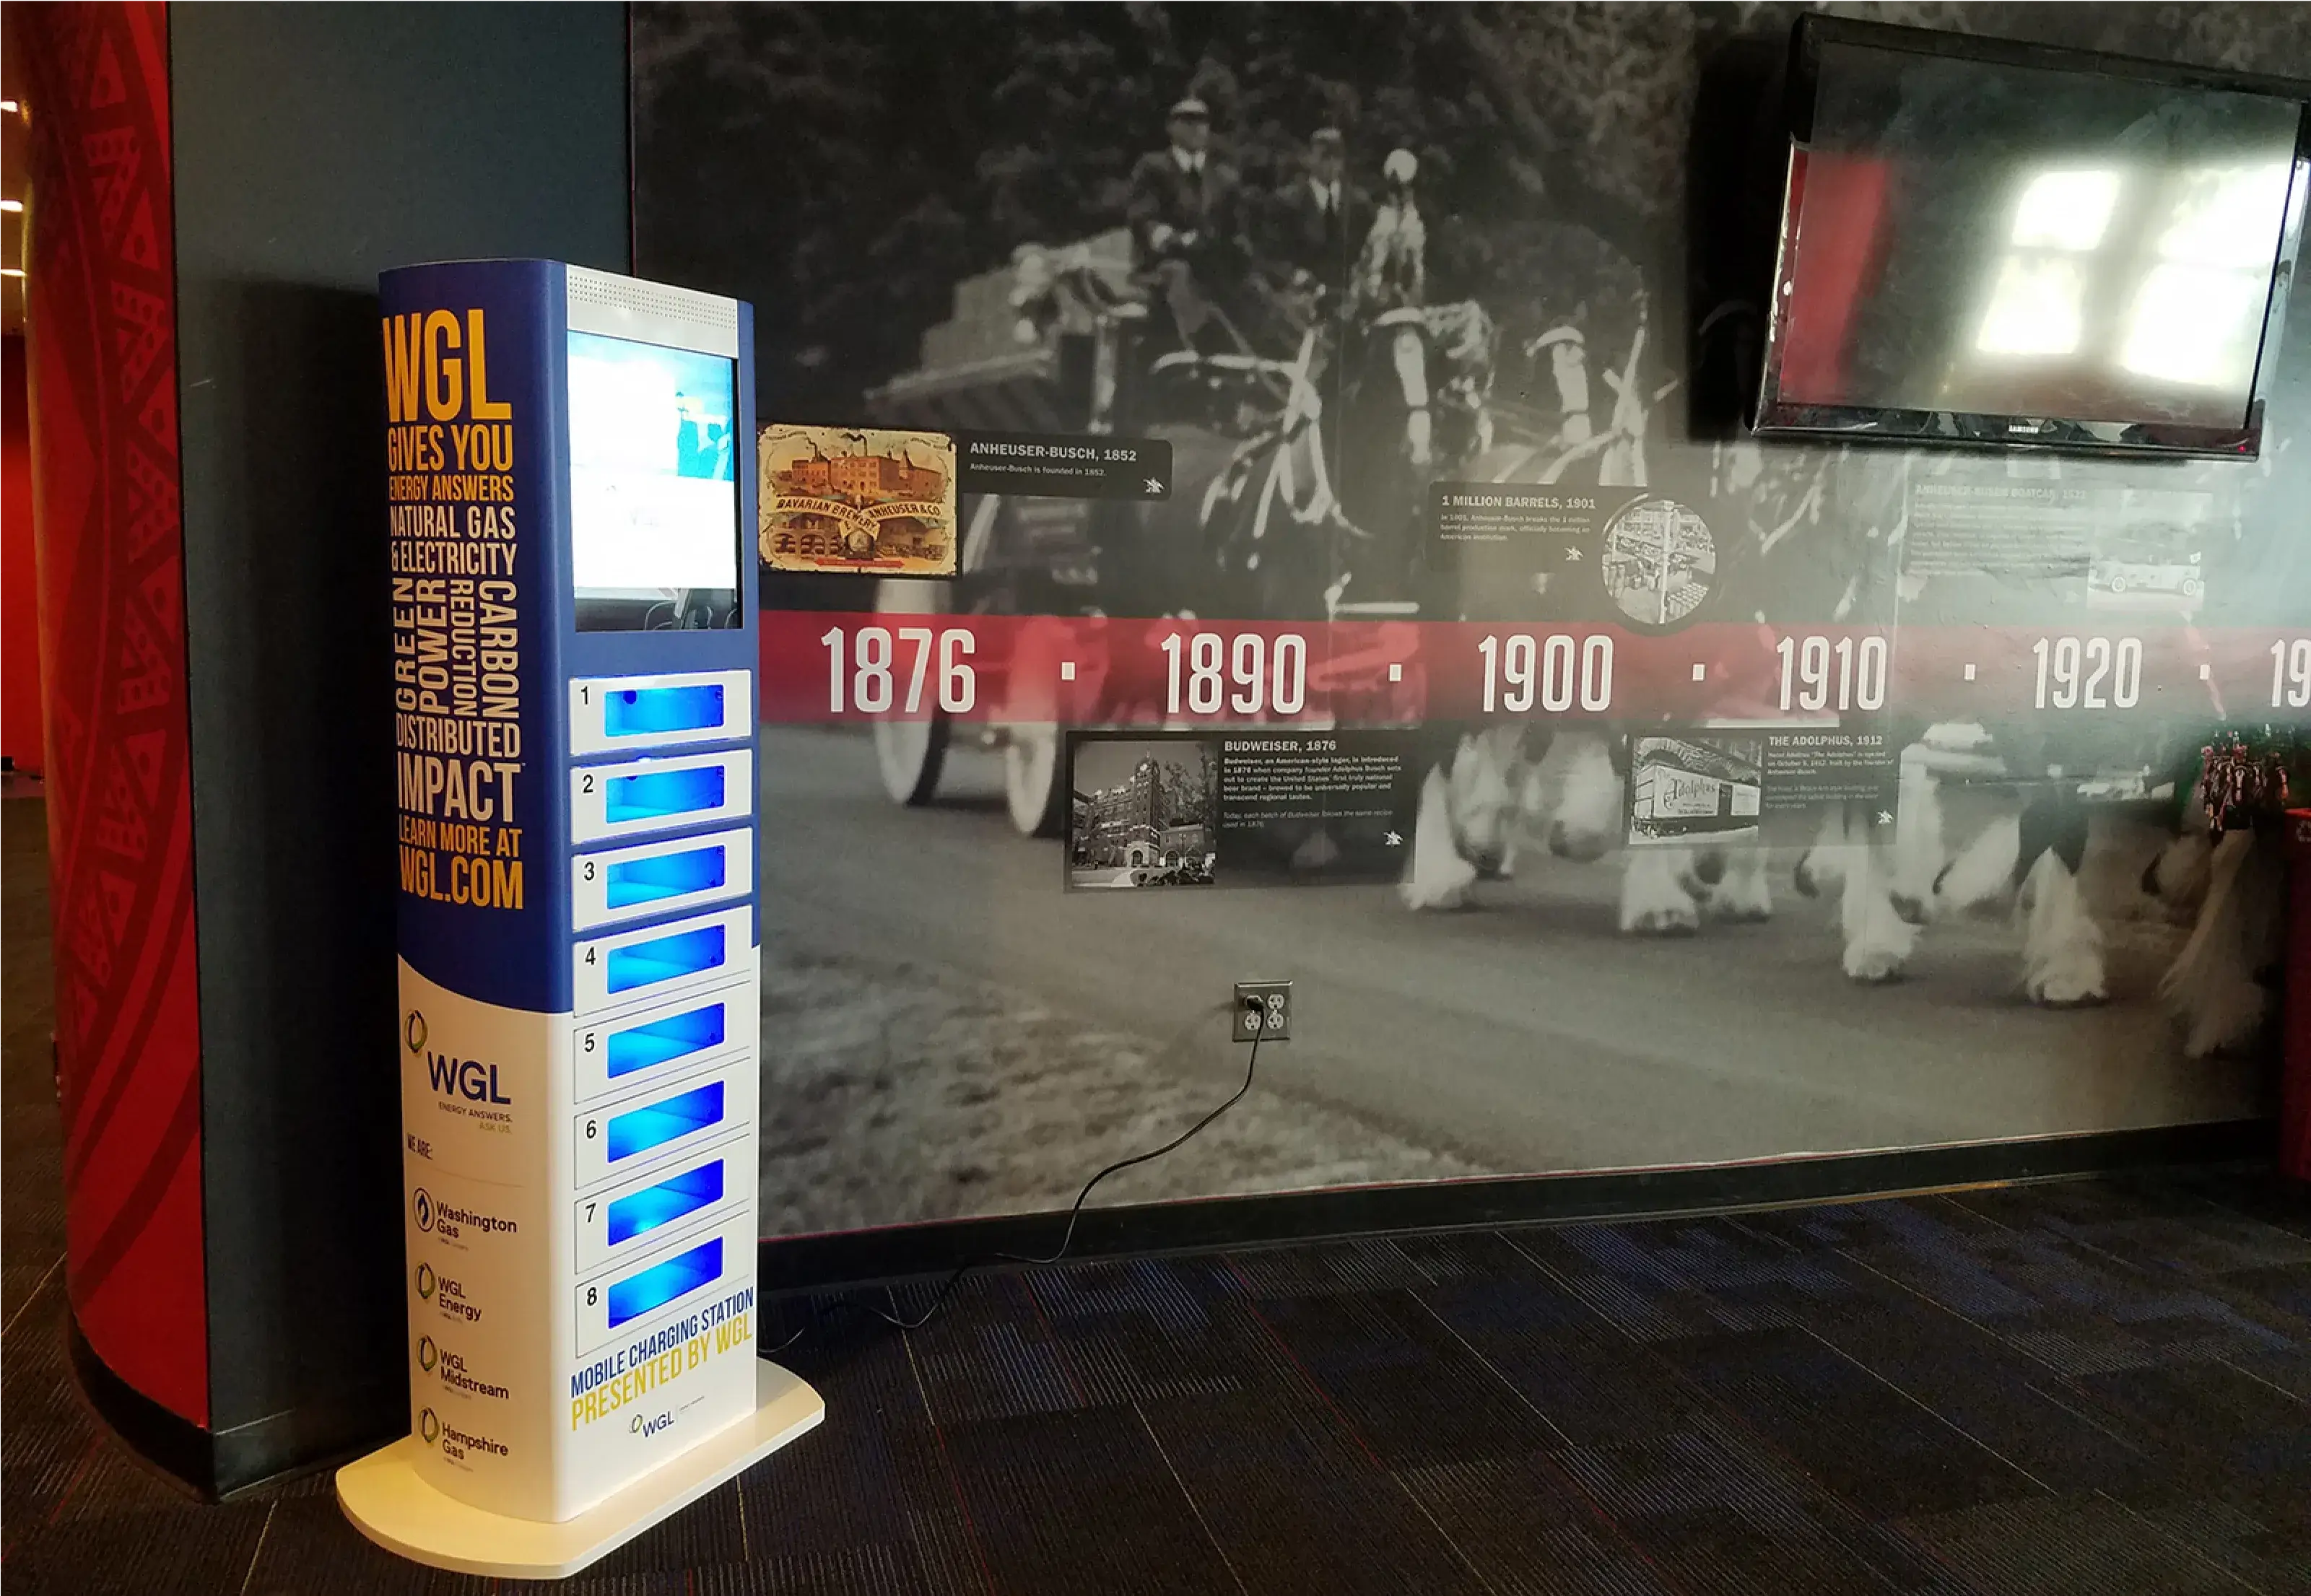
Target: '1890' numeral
{"points": [[1207, 665]]}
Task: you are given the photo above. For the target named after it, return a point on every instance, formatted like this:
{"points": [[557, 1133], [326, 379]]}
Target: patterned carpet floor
{"points": [[2093, 1387]]}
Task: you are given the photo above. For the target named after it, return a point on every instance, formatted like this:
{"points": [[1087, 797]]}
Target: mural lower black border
{"points": [[853, 1258], [175, 1446], [216, 1465]]}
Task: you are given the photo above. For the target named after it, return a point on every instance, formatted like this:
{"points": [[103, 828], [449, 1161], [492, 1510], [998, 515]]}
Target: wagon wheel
{"points": [[1032, 781], [1034, 777], [910, 753]]}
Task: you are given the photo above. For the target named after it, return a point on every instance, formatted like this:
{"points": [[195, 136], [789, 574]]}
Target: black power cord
{"points": [[1075, 1211]]}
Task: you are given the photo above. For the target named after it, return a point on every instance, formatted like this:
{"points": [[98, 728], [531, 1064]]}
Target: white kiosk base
{"points": [[385, 1500]]}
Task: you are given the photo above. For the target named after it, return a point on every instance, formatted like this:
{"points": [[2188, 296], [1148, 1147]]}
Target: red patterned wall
{"points": [[102, 324], [19, 628]]}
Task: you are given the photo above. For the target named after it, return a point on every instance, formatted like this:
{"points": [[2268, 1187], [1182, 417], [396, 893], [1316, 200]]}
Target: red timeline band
{"points": [[826, 667]]}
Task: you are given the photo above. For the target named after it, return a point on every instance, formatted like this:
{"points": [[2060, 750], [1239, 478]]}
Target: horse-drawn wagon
{"points": [[1267, 518], [1062, 341]]}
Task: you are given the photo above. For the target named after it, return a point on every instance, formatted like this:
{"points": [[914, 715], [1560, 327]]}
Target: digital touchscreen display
{"points": [[654, 488]]}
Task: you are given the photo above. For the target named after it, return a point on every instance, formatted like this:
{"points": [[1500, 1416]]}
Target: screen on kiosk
{"points": [[2009, 240], [653, 481]]}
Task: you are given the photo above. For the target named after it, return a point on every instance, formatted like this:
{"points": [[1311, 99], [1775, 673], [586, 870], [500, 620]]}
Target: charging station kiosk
{"points": [[572, 491]]}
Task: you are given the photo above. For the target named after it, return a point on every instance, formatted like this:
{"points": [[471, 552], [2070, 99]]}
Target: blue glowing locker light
{"points": [[643, 1211], [662, 794], [662, 1283], [638, 711], [637, 1046], [666, 958], [667, 875], [641, 1130]]}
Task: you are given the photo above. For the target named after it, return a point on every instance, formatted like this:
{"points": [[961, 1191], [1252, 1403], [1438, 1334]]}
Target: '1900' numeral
{"points": [[1552, 671]]}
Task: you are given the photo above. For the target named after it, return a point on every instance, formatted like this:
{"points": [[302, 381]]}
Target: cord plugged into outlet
{"points": [[1252, 1025], [1263, 1011]]}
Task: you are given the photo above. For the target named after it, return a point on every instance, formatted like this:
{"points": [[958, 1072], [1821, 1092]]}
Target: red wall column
{"points": [[101, 319], [19, 622]]}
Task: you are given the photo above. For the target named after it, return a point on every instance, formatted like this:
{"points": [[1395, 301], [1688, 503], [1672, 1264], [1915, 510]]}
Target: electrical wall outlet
{"points": [[1263, 1010]]}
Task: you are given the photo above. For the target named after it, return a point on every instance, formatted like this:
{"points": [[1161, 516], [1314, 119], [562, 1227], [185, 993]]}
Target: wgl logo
{"points": [[469, 1078], [647, 1427]]}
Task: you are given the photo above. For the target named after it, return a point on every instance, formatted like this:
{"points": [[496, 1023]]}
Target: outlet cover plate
{"points": [[1275, 999]]}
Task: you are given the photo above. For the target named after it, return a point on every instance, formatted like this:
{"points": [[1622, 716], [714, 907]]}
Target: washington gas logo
{"points": [[429, 1426], [421, 1203], [413, 1031]]}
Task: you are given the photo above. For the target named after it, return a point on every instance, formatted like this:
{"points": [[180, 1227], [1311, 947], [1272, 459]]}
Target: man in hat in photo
{"points": [[1187, 232], [1320, 219]]}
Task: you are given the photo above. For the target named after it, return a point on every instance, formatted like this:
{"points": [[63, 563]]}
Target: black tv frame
{"points": [[1775, 417]]}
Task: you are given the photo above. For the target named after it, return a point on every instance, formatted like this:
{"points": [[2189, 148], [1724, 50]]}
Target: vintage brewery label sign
{"points": [[863, 499]]}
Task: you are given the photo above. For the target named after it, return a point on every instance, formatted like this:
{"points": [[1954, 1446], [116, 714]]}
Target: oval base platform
{"points": [[385, 1500]]}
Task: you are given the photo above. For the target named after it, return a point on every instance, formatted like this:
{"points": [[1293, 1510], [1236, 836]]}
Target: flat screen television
{"points": [[1985, 242]]}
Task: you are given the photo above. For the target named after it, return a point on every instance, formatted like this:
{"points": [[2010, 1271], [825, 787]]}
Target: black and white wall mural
{"points": [[1354, 392]]}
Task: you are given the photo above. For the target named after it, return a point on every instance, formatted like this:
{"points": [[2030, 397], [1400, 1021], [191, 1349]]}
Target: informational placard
{"points": [[2125, 551], [1245, 809], [1620, 556], [1041, 465], [1768, 786]]}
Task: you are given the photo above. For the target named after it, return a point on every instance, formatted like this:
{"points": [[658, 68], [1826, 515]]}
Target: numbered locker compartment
{"points": [[688, 1273], [644, 1130], [657, 961], [611, 714], [648, 1044], [635, 1215], [659, 877], [637, 796]]}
